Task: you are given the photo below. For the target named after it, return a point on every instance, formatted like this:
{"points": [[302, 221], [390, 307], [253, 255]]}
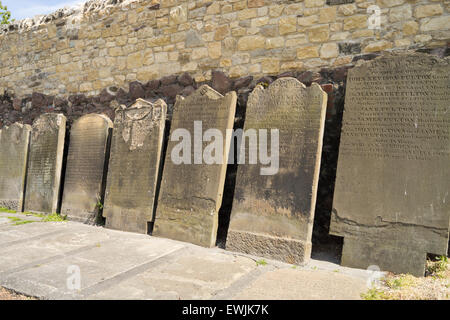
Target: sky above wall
{"points": [[21, 9]]}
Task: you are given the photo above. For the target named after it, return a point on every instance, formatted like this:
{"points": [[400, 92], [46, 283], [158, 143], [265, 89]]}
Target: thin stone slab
{"points": [[391, 201], [14, 143], [134, 165], [191, 194], [273, 214], [84, 179], [45, 163]]}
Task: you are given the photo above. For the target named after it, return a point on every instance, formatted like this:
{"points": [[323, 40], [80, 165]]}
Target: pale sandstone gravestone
{"points": [[134, 165], [272, 215], [86, 159], [191, 194], [45, 163], [14, 143], [391, 201]]}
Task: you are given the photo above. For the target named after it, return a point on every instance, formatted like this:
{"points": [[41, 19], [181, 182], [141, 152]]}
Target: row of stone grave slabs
{"points": [[190, 196], [392, 179]]}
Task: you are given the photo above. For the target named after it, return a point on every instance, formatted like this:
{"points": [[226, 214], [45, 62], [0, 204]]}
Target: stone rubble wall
{"points": [[106, 43]]}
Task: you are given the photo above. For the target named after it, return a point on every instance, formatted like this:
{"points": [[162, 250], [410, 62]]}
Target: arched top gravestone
{"points": [[134, 165], [45, 163], [391, 201], [14, 142], [191, 188], [273, 210], [84, 177]]}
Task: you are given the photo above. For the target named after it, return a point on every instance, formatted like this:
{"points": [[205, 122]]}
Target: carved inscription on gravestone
{"points": [[14, 142], [191, 193], [391, 201], [45, 163], [134, 165], [83, 183], [272, 215]]}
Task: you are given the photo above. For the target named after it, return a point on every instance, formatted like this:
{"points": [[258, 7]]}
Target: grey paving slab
{"points": [[191, 274], [36, 259], [10, 234]]}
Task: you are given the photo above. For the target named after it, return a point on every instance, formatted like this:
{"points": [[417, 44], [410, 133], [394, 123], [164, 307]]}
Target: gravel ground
{"points": [[434, 286], [9, 295]]}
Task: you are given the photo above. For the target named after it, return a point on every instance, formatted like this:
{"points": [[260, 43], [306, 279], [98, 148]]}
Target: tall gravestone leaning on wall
{"points": [[191, 194], [134, 165], [45, 163], [14, 143], [273, 212], [391, 201], [86, 160]]}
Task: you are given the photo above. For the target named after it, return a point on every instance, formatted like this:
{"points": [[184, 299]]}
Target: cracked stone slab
{"points": [[391, 201]]}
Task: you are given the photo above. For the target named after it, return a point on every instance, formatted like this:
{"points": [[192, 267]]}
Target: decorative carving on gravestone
{"points": [[391, 201], [86, 159], [272, 214], [134, 165], [192, 185], [14, 143], [45, 163]]}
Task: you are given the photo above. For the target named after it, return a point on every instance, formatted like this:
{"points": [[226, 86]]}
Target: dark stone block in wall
{"points": [[187, 91], [134, 165], [242, 82], [185, 79], [267, 80], [348, 48], [38, 100], [168, 80], [305, 78], [105, 97], [136, 90], [220, 82], [170, 91], [77, 99]]}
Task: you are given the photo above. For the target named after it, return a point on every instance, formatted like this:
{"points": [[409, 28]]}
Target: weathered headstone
{"points": [[14, 142], [273, 214], [134, 165], [84, 177], [391, 201], [45, 163], [191, 191]]}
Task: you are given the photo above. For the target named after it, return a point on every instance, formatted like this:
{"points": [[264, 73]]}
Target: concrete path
{"points": [[42, 259]]}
